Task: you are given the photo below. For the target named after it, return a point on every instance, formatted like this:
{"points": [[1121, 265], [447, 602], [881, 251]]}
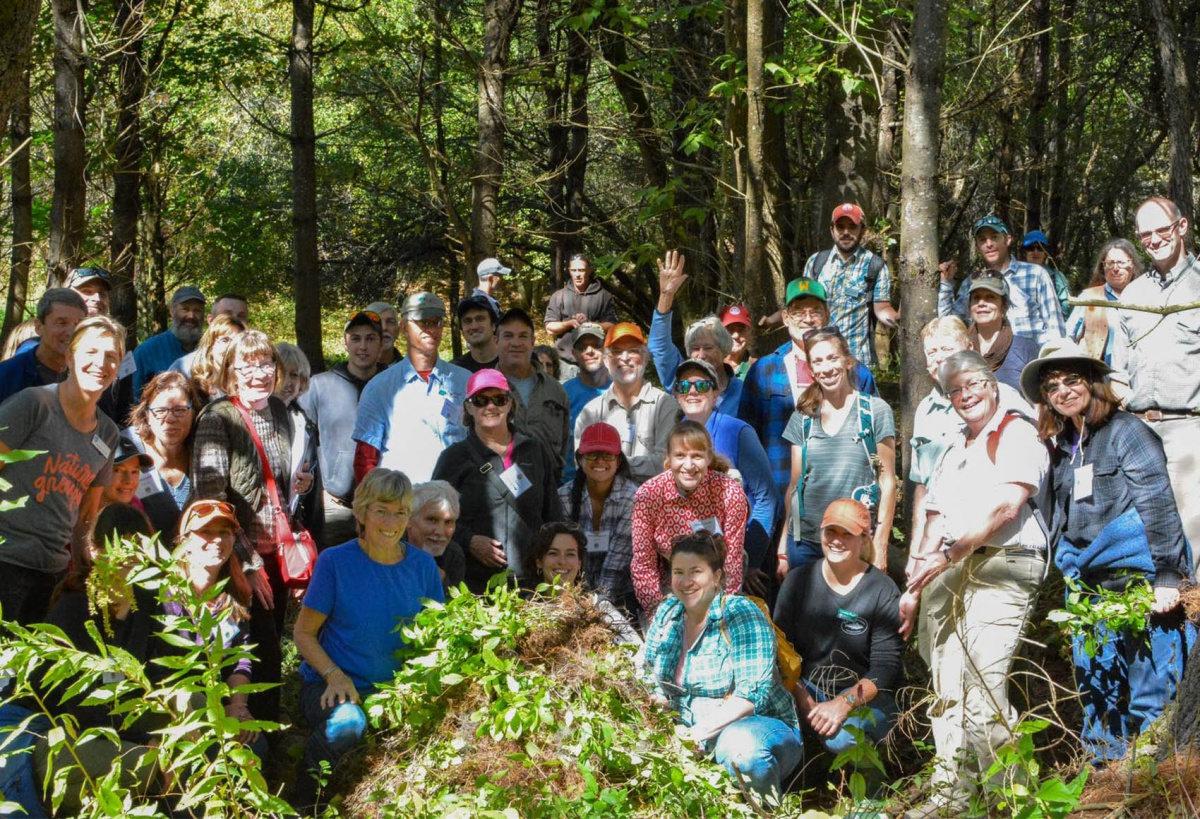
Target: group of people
{"points": [[739, 479]]}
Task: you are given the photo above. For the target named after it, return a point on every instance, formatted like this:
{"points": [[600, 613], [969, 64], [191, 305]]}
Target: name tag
{"points": [[227, 630], [710, 525], [104, 449], [150, 483], [450, 411], [1083, 482], [628, 433], [514, 479], [598, 542], [128, 367]]}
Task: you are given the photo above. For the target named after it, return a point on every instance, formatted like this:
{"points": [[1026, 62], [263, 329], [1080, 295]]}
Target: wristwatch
{"points": [[851, 699], [948, 544]]}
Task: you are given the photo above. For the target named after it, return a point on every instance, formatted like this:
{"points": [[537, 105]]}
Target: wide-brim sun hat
{"points": [[1056, 353]]}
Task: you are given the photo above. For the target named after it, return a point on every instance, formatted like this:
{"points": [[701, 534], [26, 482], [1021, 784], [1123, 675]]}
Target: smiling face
{"points": [[846, 235], [95, 360], [992, 247], [211, 545], [489, 417], [694, 582], [477, 327], [1118, 269], [696, 405], [95, 296], [841, 547], [170, 416], [424, 335], [1068, 391], [974, 397], [124, 482], [804, 314], [1161, 235], [589, 354], [938, 347], [743, 338], [689, 464], [54, 333], [600, 467], [362, 346], [562, 561], [187, 318], [829, 365], [382, 523], [626, 361], [254, 379], [704, 347], [987, 308], [431, 527]]}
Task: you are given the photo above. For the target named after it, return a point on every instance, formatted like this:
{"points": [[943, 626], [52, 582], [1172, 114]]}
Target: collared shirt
{"points": [[546, 415], [667, 358], [936, 423], [768, 401], [850, 304], [643, 428], [610, 544], [425, 417], [1162, 353], [661, 514], [966, 479], [735, 655], [1033, 309], [155, 355]]}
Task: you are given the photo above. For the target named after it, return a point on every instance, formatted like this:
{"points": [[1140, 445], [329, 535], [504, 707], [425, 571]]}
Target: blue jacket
{"points": [[153, 356], [19, 372], [667, 358], [738, 442]]}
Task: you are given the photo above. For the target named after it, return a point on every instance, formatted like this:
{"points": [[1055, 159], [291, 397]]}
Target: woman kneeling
{"points": [[711, 657]]}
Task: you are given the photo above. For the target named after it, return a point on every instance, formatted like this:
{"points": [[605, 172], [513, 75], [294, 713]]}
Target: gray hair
{"points": [[381, 486], [380, 307], [964, 362], [59, 295], [713, 327], [441, 493]]}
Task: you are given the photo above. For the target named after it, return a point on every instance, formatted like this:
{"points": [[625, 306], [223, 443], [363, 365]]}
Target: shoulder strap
{"points": [[874, 268], [268, 473], [993, 444], [487, 470], [866, 426], [819, 262]]}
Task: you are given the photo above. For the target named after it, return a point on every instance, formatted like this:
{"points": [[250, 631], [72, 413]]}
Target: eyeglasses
{"points": [[602, 457], [827, 330], [1052, 387], [975, 386], [175, 412], [631, 352], [248, 370], [806, 313], [1123, 264], [702, 387], [500, 399], [429, 323], [1163, 233]]}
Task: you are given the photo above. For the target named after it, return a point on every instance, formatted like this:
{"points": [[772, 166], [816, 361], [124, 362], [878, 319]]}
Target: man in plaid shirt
{"points": [[845, 274], [1033, 312]]}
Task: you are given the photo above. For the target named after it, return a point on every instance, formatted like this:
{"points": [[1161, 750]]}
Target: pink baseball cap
{"points": [[600, 437], [735, 314], [488, 379]]}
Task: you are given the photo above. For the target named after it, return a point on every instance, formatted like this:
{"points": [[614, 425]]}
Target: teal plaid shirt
{"points": [[850, 305], [741, 666]]}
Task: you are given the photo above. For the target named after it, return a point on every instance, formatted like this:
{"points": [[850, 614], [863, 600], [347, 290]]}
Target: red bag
{"points": [[297, 552]]}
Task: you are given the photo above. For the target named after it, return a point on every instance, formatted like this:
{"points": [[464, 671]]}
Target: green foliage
{"points": [[1015, 783], [1086, 609]]}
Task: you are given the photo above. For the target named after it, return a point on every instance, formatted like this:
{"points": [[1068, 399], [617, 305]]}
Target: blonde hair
{"points": [[381, 486], [206, 369], [949, 326], [105, 326]]}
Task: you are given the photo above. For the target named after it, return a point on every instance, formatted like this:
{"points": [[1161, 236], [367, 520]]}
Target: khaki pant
{"points": [[1181, 441], [972, 618]]}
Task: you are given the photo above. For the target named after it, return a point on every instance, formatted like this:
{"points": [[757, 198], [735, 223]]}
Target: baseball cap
{"points": [[588, 328], [624, 330], [83, 275], [990, 221], [188, 293], [477, 303], [488, 379], [1035, 237], [127, 449], [801, 287], [423, 305], [735, 314], [200, 513], [849, 514], [708, 369], [600, 437], [365, 318], [991, 281], [491, 267], [847, 210]]}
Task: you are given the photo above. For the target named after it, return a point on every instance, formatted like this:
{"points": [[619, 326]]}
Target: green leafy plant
{"points": [[1088, 609], [1014, 781]]}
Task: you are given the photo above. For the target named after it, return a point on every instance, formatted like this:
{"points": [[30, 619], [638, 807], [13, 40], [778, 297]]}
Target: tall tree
{"points": [[1177, 100], [18, 20], [306, 269], [1035, 131], [130, 26], [22, 213], [68, 208]]}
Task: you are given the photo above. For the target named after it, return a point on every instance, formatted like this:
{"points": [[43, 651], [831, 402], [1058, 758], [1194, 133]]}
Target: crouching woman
{"points": [[346, 631], [711, 657]]}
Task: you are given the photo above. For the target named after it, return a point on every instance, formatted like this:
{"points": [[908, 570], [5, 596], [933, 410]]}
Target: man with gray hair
{"points": [[157, 353], [706, 339], [431, 529], [58, 311], [389, 320]]}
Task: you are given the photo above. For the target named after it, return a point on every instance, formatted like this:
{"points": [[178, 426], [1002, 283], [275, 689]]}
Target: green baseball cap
{"points": [[990, 221], [421, 306], [801, 287]]}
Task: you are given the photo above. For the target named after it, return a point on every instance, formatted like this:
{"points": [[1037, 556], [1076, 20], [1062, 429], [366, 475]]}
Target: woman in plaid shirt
{"points": [[711, 657]]}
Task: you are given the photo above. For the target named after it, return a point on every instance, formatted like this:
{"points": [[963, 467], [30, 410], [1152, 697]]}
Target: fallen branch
{"points": [[1139, 308]]}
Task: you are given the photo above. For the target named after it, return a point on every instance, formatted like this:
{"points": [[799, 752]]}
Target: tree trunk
{"points": [[734, 170], [1036, 124], [306, 268], [68, 209], [499, 19], [129, 23], [1059, 199], [919, 204], [1176, 97], [578, 67], [22, 213], [18, 20], [555, 89], [883, 199], [851, 123]]}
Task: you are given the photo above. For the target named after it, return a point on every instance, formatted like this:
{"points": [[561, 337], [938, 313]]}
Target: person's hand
{"points": [[1165, 599], [261, 584], [670, 273], [826, 718], [579, 318], [240, 712], [303, 481], [339, 688], [948, 270], [756, 583], [487, 551], [910, 604], [781, 566], [773, 320], [930, 565]]}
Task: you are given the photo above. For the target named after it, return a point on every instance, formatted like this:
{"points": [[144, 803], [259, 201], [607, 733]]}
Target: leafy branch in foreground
{"points": [[1093, 613]]}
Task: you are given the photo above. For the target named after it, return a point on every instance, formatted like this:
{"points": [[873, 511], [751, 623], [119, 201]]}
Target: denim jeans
{"points": [[763, 749], [802, 552], [1128, 683], [18, 782], [875, 724], [335, 731]]}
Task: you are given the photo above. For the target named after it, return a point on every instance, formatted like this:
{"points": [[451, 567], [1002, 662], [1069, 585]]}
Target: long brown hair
{"points": [[236, 595], [814, 395], [694, 436], [1123, 245], [1100, 409]]}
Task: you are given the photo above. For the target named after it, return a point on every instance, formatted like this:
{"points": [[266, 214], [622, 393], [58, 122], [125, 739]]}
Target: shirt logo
{"points": [[851, 623]]}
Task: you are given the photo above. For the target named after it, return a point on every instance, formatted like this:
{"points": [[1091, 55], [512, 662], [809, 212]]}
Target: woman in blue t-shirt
{"points": [[346, 631]]}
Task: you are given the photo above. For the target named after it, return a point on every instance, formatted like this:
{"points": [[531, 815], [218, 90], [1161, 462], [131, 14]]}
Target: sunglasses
{"points": [[371, 315], [498, 400], [204, 508], [702, 387], [602, 457], [827, 330], [1051, 388]]}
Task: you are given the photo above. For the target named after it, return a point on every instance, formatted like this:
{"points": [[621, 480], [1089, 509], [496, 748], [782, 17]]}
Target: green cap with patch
{"points": [[802, 287]]}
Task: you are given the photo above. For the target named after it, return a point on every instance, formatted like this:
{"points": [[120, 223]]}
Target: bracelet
{"points": [[329, 671]]}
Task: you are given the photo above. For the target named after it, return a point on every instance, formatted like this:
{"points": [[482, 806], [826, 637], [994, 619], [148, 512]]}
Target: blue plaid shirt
{"points": [[1033, 310], [740, 662], [850, 304], [767, 405]]}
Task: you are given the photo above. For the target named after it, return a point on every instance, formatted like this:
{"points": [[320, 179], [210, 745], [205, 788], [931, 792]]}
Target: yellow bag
{"points": [[786, 658]]}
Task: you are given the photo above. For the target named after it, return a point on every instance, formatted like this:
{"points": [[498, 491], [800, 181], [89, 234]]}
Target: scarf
{"points": [[995, 356]]}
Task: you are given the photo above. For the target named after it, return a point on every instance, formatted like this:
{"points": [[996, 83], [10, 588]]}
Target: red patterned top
{"points": [[661, 514]]}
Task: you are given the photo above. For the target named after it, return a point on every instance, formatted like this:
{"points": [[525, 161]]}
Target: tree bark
{"points": [[851, 139], [306, 267], [1059, 200], [555, 90], [578, 67], [129, 23], [22, 213], [1176, 98], [919, 203], [18, 20], [1035, 133], [68, 209]]}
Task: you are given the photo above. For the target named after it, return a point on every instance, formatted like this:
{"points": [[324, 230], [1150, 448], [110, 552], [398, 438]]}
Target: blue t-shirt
{"points": [[362, 601]]}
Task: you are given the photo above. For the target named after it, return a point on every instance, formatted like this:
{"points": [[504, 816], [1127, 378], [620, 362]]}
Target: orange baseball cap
{"points": [[849, 514], [625, 329]]}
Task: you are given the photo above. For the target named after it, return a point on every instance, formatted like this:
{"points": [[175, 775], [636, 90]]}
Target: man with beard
{"points": [[478, 318], [581, 300], [592, 380], [94, 286], [413, 410], [431, 527], [641, 413], [542, 409], [159, 352], [45, 361], [388, 352]]}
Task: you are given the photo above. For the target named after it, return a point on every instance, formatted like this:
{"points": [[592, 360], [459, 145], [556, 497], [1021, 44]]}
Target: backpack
{"points": [[787, 660], [874, 268], [992, 444]]}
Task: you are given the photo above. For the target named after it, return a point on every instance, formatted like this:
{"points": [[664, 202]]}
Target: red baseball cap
{"points": [[847, 210], [735, 314], [600, 437], [624, 330]]}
